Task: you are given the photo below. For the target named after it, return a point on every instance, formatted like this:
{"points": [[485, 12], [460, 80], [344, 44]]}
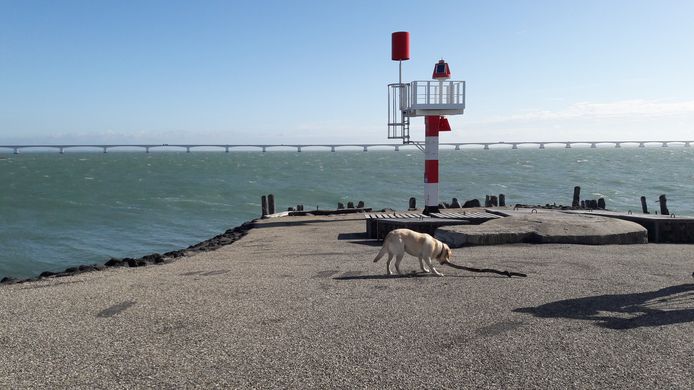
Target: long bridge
{"points": [[333, 147]]}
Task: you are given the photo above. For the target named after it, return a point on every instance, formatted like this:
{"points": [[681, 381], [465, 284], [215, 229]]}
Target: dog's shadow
{"points": [[408, 275]]}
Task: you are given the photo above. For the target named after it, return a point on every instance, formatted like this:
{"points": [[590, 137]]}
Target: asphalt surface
{"points": [[298, 303]]}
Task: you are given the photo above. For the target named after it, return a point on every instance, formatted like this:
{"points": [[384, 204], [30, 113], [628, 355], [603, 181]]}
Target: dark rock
{"points": [[136, 262], [88, 268], [46, 274], [114, 263], [71, 270], [471, 203], [8, 280], [153, 258], [455, 204], [174, 254]]}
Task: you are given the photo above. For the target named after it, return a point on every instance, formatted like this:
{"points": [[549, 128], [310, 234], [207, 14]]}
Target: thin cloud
{"points": [[627, 109]]}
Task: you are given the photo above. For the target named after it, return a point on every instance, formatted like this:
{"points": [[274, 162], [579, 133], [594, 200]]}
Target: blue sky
{"points": [[302, 72]]}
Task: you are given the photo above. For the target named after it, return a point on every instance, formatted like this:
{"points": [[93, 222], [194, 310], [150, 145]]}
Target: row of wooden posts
{"points": [[489, 201], [267, 205], [600, 203], [587, 203]]}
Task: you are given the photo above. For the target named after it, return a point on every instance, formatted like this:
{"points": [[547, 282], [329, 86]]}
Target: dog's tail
{"points": [[382, 252]]}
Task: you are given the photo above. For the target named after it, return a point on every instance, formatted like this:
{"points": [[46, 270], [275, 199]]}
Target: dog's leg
{"points": [[437, 273], [398, 259], [422, 266], [390, 257]]}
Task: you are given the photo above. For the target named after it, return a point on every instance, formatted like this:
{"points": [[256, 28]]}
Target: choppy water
{"points": [[58, 211]]}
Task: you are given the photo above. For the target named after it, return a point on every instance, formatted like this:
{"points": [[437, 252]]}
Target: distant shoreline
{"points": [[298, 147]]}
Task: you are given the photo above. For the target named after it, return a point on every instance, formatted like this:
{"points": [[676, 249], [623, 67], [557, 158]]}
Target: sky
{"points": [[287, 72]]}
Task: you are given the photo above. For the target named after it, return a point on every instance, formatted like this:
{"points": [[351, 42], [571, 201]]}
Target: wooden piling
{"points": [[271, 204], [360, 204], [350, 205], [644, 206], [487, 201], [413, 204], [263, 205], [663, 205], [340, 205], [471, 203], [577, 197], [502, 200], [601, 203], [455, 204]]}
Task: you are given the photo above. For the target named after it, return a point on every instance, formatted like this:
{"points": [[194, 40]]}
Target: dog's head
{"points": [[445, 254]]}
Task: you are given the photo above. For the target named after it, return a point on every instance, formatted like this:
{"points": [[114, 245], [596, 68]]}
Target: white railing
{"points": [[433, 92]]}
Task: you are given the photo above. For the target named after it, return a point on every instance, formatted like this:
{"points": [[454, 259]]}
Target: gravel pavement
{"points": [[298, 303]]}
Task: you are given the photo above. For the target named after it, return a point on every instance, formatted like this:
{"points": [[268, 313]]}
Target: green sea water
{"points": [[59, 210]]}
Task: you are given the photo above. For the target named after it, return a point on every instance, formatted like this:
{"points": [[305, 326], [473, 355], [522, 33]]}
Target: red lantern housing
{"points": [[441, 71]]}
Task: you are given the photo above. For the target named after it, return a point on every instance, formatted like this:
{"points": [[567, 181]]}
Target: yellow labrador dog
{"points": [[420, 245]]}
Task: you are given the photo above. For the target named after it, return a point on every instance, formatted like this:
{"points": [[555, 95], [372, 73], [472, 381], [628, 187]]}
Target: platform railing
{"points": [[434, 92]]}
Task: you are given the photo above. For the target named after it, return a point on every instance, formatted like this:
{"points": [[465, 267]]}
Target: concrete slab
{"points": [[661, 228], [545, 228]]}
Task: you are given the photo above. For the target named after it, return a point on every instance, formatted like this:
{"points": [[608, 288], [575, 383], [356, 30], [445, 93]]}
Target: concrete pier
{"points": [[299, 303]]}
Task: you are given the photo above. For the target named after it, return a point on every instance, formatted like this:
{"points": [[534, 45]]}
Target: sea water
{"points": [[62, 210]]}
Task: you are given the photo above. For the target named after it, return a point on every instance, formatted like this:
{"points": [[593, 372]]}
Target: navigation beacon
{"points": [[432, 99]]}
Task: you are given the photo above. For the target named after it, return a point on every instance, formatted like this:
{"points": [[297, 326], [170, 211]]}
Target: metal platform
{"points": [[380, 224], [475, 217]]}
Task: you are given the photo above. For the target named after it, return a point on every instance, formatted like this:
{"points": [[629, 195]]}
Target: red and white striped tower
{"points": [[432, 125], [431, 164]]}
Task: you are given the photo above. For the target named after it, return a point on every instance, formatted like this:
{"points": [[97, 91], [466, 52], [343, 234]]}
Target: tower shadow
{"points": [[667, 306]]}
